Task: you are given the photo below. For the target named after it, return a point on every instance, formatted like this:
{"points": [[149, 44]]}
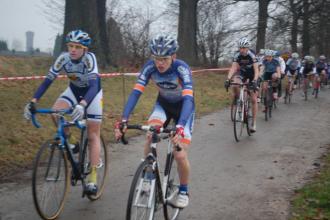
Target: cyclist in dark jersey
{"points": [[322, 68], [245, 64], [175, 101]]}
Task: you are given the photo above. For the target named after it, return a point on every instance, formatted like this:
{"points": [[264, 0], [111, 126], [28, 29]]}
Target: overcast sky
{"points": [[19, 16]]}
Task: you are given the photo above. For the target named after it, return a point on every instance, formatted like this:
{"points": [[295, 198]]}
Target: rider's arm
{"points": [[51, 76], [138, 89], [233, 70], [278, 72], [93, 79], [187, 94], [256, 70]]}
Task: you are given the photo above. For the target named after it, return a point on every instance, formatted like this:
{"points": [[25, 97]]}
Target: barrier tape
{"points": [[103, 75]]}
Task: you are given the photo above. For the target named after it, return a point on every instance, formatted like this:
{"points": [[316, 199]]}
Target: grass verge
{"points": [[312, 202]]}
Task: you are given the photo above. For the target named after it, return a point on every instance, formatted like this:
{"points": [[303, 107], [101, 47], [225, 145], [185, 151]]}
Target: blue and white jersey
{"points": [[270, 66], [293, 64], [83, 75], [174, 85], [79, 72]]}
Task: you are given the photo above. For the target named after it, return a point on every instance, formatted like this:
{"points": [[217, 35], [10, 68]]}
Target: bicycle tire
{"points": [[136, 190], [238, 121], [172, 189], [232, 108], [248, 116], [43, 170], [102, 169]]}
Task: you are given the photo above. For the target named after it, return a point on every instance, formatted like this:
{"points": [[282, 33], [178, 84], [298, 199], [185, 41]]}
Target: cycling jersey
{"points": [[246, 63], [320, 66], [308, 67], [282, 64], [175, 86], [270, 68], [293, 64], [83, 75]]}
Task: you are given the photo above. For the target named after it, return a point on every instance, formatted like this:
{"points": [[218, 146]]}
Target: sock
{"points": [[183, 189], [92, 178]]}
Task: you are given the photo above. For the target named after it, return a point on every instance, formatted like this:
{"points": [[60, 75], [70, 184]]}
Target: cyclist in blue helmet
{"points": [[84, 93], [175, 101]]}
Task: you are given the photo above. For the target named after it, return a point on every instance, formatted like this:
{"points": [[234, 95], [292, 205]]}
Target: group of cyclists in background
{"points": [[271, 67], [176, 94]]}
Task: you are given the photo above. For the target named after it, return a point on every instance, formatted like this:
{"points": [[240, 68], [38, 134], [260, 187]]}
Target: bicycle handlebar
{"points": [[61, 112], [151, 128]]}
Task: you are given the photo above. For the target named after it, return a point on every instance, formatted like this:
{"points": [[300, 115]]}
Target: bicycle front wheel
{"points": [[141, 202], [50, 180], [238, 121], [102, 167], [172, 190], [248, 116]]}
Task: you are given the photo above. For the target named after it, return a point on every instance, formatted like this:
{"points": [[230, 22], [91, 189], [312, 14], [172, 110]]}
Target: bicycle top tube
{"points": [[61, 113]]}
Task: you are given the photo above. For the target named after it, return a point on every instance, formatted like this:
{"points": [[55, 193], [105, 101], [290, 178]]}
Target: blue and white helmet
{"points": [[269, 52], [78, 36], [244, 42], [163, 45]]}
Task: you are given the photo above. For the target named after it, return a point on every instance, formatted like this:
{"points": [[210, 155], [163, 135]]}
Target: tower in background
{"points": [[29, 41]]}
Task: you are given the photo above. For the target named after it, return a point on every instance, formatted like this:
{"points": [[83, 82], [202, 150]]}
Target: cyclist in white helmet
{"points": [[175, 101], [245, 65], [84, 93]]}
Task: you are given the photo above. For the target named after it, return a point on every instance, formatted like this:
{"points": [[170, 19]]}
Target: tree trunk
{"points": [[262, 23], [306, 31], [89, 16], [294, 27], [187, 36]]}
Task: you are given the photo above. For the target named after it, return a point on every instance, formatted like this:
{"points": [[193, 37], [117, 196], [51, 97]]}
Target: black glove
{"points": [[254, 85], [227, 84]]}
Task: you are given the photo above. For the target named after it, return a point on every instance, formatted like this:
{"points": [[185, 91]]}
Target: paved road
{"points": [[249, 180]]}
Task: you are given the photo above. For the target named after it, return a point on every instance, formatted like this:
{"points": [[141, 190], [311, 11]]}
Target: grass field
{"points": [[20, 139]]}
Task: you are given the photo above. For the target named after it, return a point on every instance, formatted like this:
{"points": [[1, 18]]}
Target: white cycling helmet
{"points": [[262, 51], [322, 57], [269, 52], [244, 42], [79, 36], [295, 55]]}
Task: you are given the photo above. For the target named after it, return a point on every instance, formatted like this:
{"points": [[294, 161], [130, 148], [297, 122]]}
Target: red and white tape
{"points": [[103, 75]]}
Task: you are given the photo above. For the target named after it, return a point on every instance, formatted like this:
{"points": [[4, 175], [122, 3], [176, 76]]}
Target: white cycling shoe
{"points": [[181, 201]]}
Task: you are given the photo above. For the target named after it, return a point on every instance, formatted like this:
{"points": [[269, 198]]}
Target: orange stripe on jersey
{"points": [[187, 92], [139, 87]]}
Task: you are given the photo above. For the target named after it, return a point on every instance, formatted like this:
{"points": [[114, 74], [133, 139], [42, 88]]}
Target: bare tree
{"points": [[211, 31]]}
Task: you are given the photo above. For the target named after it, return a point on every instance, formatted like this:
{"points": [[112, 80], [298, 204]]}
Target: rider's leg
{"points": [[254, 96], [274, 80], [93, 133]]}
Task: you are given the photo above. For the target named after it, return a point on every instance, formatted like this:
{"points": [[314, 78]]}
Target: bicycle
{"points": [[269, 101], [51, 175], [289, 90], [242, 111], [148, 193], [306, 84]]}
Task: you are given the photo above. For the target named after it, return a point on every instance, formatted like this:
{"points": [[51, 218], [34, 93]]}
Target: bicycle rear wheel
{"points": [[172, 189], [142, 200], [238, 122], [50, 180], [102, 167]]}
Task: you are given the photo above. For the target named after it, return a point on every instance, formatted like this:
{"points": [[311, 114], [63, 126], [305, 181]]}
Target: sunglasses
{"points": [[76, 46], [161, 59]]}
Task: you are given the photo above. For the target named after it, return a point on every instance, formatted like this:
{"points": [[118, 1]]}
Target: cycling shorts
{"points": [[163, 112], [94, 108]]}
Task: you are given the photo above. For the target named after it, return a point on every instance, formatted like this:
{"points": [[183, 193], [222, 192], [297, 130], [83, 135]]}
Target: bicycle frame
{"points": [[61, 140]]}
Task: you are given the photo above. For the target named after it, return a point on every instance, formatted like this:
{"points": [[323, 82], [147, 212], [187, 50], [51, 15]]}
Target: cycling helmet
{"points": [[80, 37], [322, 57], [163, 45], [295, 55], [277, 53], [269, 52], [262, 51], [244, 42]]}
